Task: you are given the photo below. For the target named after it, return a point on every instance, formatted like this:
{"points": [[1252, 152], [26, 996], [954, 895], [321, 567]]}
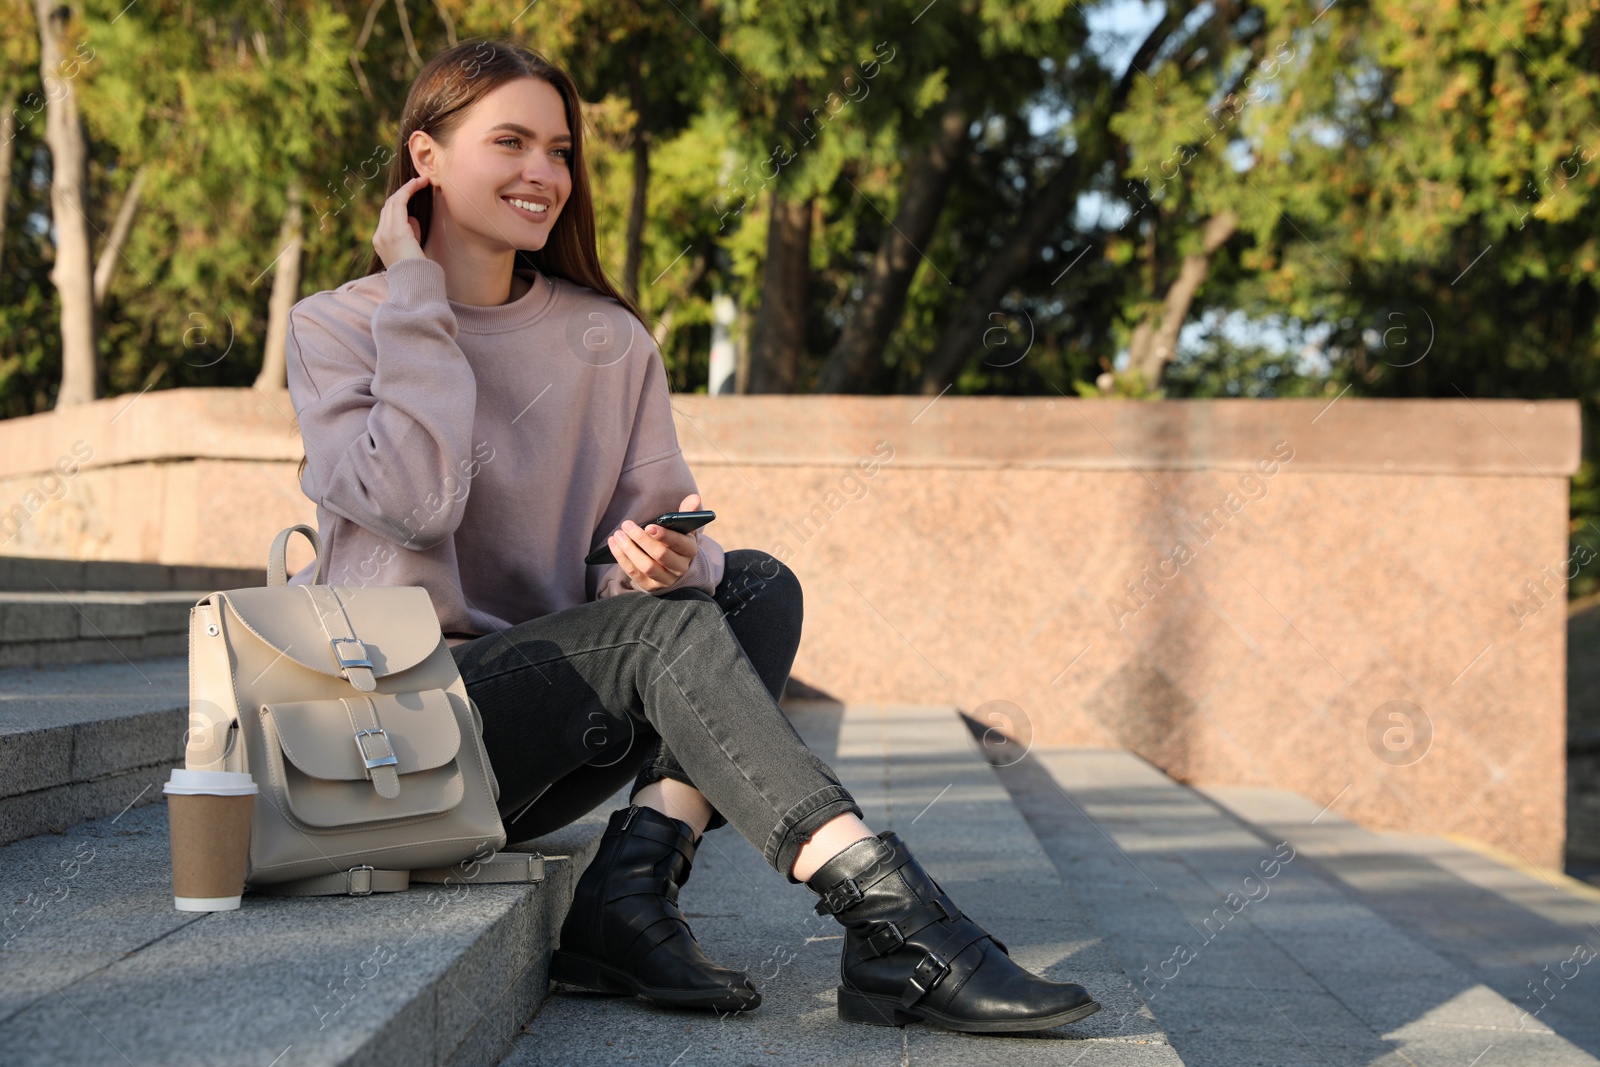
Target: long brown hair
{"points": [[442, 93]]}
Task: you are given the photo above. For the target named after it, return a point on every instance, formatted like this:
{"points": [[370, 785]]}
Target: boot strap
{"points": [[931, 970], [894, 932], [846, 894], [850, 892], [665, 927], [619, 887], [665, 835]]}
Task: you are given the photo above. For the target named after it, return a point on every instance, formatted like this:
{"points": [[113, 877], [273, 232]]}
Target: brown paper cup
{"points": [[209, 818]]}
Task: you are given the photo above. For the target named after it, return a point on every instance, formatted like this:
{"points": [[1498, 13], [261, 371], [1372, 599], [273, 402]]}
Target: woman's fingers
{"points": [[399, 235], [643, 556], [636, 564]]}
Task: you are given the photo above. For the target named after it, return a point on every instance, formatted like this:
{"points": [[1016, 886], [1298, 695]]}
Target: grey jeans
{"points": [[683, 685]]}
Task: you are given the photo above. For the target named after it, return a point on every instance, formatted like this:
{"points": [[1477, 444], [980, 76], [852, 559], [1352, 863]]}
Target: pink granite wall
{"points": [[1344, 599]]}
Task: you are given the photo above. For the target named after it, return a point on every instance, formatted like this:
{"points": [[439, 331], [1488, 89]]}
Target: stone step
{"points": [[54, 628], [1524, 932], [79, 742], [101, 969], [913, 770], [32, 574], [62, 611], [1251, 949]]}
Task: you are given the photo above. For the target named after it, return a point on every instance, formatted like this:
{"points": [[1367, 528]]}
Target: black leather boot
{"points": [[625, 933], [910, 955]]}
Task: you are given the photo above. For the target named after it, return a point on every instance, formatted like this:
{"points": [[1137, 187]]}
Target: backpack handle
{"points": [[277, 569]]}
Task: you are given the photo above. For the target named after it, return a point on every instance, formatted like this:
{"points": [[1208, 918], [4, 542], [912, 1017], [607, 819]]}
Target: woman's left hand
{"points": [[653, 557]]}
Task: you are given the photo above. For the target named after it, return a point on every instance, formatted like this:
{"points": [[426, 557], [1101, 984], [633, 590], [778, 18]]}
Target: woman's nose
{"points": [[540, 169]]}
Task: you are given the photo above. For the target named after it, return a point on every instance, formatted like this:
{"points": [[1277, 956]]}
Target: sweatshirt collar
{"points": [[502, 318]]}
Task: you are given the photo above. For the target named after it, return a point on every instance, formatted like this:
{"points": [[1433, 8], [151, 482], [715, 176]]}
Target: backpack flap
{"points": [[355, 634]]}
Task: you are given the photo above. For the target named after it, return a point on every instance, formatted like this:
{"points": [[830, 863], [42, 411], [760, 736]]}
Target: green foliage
{"points": [[1415, 183], [1584, 531]]}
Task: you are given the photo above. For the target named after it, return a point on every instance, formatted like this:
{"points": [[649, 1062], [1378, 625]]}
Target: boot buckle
{"points": [[846, 894], [886, 939], [891, 934], [927, 974]]}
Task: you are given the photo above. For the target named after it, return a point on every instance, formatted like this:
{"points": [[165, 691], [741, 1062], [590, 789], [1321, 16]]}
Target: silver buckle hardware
{"points": [[375, 761], [359, 880], [894, 933], [358, 660], [927, 974], [844, 895], [883, 945]]}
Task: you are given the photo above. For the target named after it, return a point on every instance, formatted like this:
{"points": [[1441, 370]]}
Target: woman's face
{"points": [[513, 144]]}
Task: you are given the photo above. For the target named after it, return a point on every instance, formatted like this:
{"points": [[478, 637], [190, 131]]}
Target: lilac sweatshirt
{"points": [[481, 452]]}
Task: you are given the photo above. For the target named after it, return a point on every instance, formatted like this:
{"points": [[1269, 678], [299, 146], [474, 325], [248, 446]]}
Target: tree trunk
{"points": [[778, 337], [771, 361], [860, 347], [71, 274], [105, 267], [963, 337], [285, 292], [1154, 343], [641, 181], [8, 151]]}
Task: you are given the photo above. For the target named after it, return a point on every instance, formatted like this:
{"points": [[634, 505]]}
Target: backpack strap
{"points": [[348, 650], [356, 882], [501, 868]]}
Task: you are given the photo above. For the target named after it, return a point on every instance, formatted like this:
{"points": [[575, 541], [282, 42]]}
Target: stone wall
{"points": [[1347, 599]]}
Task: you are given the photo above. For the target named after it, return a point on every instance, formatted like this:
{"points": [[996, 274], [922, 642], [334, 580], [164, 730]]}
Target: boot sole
{"points": [[586, 973], [858, 1007]]}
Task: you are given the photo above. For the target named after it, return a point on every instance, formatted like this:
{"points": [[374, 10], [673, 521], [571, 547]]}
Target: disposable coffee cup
{"points": [[209, 815]]}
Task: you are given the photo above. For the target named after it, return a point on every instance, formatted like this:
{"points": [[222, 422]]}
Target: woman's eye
{"points": [[566, 153]]}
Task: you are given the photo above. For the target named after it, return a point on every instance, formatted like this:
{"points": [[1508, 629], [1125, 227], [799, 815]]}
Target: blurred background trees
{"points": [[1388, 198]]}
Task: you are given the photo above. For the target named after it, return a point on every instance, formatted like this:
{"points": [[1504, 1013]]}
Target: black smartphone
{"points": [[680, 521]]}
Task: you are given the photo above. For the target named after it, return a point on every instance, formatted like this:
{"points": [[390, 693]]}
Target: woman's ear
{"points": [[424, 153]]}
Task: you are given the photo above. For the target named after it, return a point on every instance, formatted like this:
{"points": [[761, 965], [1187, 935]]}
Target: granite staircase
{"points": [[1227, 927]]}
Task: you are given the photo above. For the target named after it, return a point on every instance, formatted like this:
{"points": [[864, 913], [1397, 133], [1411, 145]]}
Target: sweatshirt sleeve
{"points": [[388, 433], [654, 479]]}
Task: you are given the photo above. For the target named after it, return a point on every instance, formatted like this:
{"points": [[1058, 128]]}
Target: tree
{"points": [[61, 58]]}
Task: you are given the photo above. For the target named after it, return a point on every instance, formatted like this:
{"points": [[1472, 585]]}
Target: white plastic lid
{"points": [[215, 783]]}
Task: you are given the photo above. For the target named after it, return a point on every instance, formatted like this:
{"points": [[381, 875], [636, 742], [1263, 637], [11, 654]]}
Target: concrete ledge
{"points": [[1392, 436], [1245, 592], [433, 975], [1380, 436]]}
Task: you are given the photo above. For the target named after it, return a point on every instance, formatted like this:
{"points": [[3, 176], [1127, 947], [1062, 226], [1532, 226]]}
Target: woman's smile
{"points": [[525, 208]]}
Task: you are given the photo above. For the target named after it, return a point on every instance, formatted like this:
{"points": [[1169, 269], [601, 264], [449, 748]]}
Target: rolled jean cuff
{"points": [[794, 831], [664, 767]]}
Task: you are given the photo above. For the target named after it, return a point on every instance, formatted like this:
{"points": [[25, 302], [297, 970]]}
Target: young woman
{"points": [[479, 411]]}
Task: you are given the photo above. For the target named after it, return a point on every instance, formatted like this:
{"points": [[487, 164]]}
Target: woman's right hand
{"points": [[399, 236]]}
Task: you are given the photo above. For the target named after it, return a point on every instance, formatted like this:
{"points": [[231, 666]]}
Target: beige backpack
{"points": [[345, 705]]}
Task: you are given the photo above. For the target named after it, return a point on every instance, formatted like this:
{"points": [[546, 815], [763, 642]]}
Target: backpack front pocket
{"points": [[362, 761]]}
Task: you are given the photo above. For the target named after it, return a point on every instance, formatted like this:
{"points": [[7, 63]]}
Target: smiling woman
{"points": [[488, 123], [487, 320]]}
